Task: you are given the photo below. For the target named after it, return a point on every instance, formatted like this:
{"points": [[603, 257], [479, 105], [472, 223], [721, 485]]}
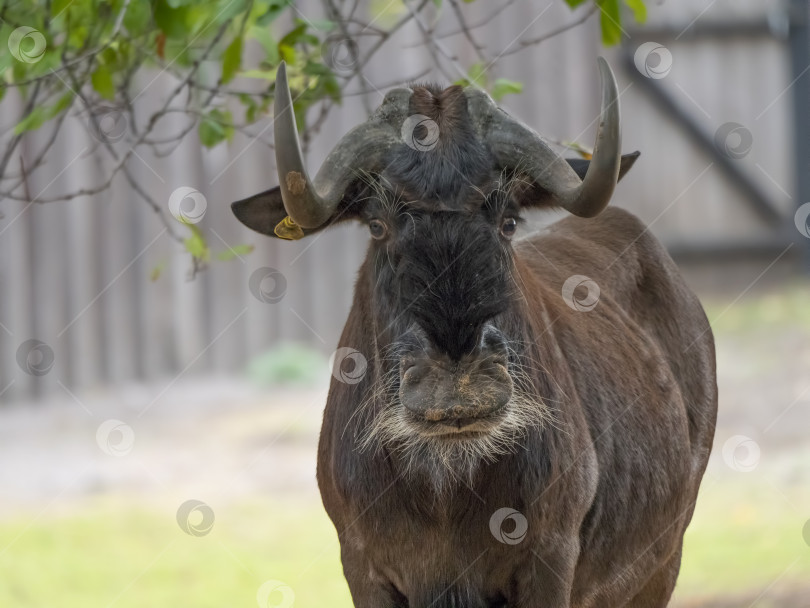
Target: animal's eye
{"points": [[377, 228], [508, 227]]}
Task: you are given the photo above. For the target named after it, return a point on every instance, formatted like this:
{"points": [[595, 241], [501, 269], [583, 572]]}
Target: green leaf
{"points": [[138, 16], [77, 35], [62, 104], [639, 10], [232, 59], [154, 275], [287, 53], [211, 133], [58, 7], [275, 8], [477, 74], [234, 252], [299, 35], [574, 3], [223, 10], [215, 127], [41, 114], [504, 87], [250, 113], [196, 244], [322, 25], [610, 21], [172, 21], [103, 82], [32, 121]]}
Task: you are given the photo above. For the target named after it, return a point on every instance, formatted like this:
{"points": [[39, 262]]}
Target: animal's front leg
{"points": [[368, 588], [546, 579]]}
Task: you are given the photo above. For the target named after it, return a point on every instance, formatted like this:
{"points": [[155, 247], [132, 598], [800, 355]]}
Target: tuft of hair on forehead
{"points": [[446, 107], [456, 166]]}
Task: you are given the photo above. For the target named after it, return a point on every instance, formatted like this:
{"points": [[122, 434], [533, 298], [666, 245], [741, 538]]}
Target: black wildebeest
{"points": [[512, 442]]}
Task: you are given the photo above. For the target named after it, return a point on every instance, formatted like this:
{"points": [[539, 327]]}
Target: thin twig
{"points": [[556, 32], [15, 139]]}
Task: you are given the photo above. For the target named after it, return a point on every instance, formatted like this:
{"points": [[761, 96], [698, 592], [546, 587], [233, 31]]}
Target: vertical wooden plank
{"points": [[255, 171], [224, 294], [14, 278], [192, 340], [85, 295], [154, 300], [50, 272], [118, 212], [17, 296]]}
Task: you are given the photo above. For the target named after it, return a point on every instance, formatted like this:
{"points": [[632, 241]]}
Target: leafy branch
{"points": [[89, 59]]}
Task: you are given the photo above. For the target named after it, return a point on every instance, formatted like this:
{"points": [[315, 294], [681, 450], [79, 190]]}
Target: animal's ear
{"points": [[531, 195], [265, 213], [580, 165]]}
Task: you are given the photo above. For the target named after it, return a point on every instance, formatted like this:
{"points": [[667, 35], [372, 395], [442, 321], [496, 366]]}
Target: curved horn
{"points": [[517, 146], [310, 203]]}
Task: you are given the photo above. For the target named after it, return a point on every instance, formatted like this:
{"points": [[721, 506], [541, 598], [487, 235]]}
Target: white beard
{"points": [[446, 460]]}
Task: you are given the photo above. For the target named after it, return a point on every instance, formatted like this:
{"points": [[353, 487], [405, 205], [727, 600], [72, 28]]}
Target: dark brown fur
{"points": [[606, 473], [608, 490]]}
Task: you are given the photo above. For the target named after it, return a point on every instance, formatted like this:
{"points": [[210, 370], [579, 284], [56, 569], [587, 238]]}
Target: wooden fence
{"points": [[77, 276]]}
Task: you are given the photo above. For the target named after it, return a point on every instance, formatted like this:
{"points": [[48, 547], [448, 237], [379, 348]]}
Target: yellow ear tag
{"points": [[288, 229]]}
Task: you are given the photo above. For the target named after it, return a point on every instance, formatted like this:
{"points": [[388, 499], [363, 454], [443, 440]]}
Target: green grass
{"points": [[745, 535], [122, 555], [116, 553], [785, 308]]}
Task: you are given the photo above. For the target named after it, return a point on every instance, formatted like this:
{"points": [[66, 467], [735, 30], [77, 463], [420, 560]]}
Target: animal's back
{"points": [[644, 374]]}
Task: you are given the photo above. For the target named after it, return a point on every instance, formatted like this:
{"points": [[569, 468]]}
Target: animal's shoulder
{"points": [[615, 246], [614, 229]]}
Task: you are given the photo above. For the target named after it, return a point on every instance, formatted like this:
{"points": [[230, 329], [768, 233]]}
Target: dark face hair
{"points": [[441, 267], [441, 270]]}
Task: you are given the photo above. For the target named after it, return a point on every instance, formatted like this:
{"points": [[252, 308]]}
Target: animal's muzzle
{"points": [[456, 395]]}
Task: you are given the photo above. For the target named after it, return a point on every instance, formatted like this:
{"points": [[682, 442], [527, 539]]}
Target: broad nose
{"points": [[457, 393]]}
